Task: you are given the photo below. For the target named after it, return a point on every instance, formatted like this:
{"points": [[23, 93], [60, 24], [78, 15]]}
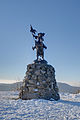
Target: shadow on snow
{"points": [[70, 102]]}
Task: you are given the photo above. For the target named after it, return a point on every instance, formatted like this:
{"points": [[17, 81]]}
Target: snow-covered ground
{"points": [[67, 108]]}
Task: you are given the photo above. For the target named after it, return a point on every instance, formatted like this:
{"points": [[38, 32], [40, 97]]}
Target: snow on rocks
{"points": [[68, 108]]}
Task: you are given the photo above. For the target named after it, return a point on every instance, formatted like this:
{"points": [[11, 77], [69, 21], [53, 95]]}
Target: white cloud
{"points": [[7, 81]]}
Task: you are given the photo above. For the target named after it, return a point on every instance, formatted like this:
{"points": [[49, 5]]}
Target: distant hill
{"points": [[10, 87], [63, 87]]}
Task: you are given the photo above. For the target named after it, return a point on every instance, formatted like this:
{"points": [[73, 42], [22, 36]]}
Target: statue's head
{"points": [[41, 34]]}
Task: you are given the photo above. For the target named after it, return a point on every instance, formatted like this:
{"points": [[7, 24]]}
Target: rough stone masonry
{"points": [[39, 82]]}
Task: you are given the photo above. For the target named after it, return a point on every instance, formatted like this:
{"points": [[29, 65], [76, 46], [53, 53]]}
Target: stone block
{"points": [[39, 82]]}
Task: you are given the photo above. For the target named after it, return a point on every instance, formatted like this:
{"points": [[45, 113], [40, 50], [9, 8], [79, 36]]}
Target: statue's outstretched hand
{"points": [[45, 47], [32, 47]]}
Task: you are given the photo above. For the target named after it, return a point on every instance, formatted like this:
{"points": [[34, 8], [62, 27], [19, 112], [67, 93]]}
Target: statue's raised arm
{"points": [[33, 31]]}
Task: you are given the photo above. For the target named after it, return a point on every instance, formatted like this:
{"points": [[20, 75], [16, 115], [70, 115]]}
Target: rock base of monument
{"points": [[39, 82]]}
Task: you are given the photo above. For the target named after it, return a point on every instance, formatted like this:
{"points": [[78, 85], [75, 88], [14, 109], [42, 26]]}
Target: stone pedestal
{"points": [[39, 82]]}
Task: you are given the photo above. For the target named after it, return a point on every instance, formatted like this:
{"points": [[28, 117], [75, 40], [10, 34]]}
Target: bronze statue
{"points": [[39, 45]]}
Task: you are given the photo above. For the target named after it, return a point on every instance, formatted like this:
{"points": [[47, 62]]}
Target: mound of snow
{"points": [[68, 108]]}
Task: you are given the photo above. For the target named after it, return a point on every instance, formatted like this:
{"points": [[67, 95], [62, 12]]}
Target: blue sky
{"points": [[59, 19]]}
